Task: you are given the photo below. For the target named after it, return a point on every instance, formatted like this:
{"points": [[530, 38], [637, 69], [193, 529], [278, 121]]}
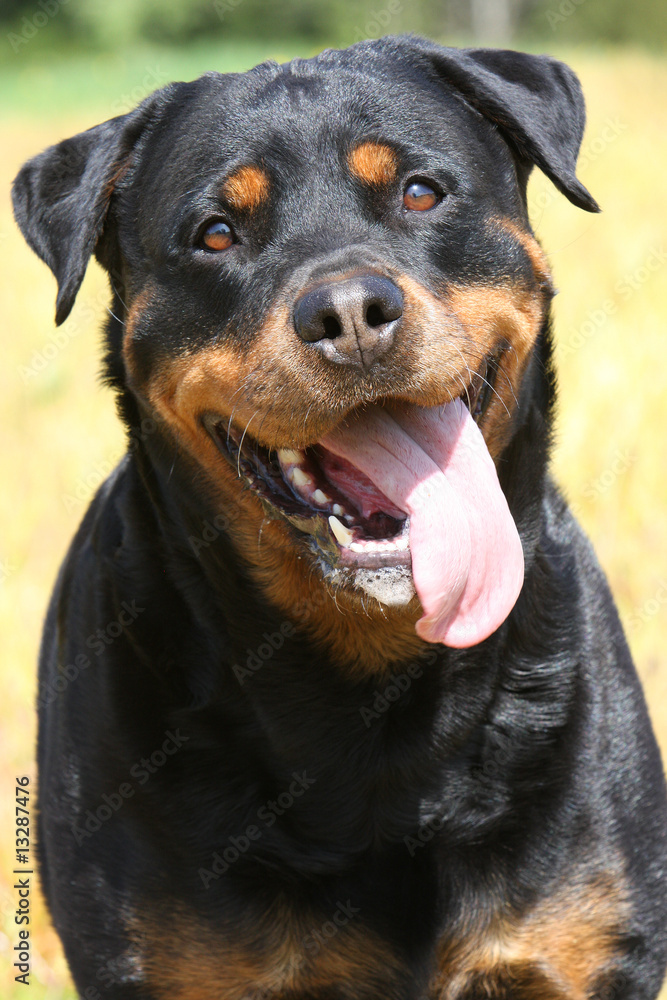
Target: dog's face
{"points": [[333, 243]]}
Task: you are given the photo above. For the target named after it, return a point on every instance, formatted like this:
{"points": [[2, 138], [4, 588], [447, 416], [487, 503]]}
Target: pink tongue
{"points": [[467, 560]]}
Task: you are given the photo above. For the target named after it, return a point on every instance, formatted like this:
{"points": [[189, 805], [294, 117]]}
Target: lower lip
{"points": [[374, 560]]}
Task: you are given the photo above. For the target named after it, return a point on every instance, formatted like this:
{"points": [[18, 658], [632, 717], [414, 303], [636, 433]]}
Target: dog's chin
{"points": [[392, 586]]}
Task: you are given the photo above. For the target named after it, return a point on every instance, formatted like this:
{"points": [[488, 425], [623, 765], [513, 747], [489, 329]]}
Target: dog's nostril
{"points": [[375, 315], [332, 327], [352, 319]]}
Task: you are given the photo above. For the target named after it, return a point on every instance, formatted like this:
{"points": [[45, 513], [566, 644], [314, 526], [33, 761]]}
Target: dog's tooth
{"points": [[298, 477], [337, 509], [290, 456], [342, 534], [320, 497]]}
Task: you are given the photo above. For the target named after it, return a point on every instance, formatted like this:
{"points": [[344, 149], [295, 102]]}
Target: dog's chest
{"points": [[277, 956], [565, 948]]}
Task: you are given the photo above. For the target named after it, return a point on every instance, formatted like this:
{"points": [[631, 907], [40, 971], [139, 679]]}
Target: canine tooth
{"points": [[299, 477], [289, 456], [342, 534], [320, 497], [337, 509]]}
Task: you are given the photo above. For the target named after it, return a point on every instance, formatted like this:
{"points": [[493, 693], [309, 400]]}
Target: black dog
{"points": [[335, 702]]}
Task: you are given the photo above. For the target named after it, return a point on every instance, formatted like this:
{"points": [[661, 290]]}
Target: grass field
{"points": [[61, 435]]}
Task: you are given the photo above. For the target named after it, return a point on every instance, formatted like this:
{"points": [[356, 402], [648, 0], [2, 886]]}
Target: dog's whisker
{"points": [[240, 448], [118, 295], [117, 318], [260, 532]]}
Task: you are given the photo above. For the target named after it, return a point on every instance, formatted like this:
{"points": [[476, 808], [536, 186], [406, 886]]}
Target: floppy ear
{"points": [[535, 101], [61, 197]]}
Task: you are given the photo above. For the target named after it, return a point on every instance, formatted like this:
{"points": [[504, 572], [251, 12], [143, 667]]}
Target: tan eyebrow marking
{"points": [[246, 188], [373, 163]]}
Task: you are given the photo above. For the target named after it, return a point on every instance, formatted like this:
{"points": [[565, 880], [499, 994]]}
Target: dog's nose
{"points": [[352, 321]]}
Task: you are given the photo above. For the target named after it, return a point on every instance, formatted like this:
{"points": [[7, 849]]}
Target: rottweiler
{"points": [[334, 700]]}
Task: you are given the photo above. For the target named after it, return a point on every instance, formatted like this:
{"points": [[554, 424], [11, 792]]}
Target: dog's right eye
{"points": [[420, 197], [217, 235]]}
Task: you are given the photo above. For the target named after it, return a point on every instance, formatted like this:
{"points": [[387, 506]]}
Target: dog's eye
{"points": [[218, 235], [419, 197]]}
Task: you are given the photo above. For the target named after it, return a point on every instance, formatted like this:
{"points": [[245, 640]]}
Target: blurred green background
{"points": [[64, 66]]}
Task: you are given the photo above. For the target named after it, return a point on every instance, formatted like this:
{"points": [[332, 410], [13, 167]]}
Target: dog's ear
{"points": [[535, 101], [61, 197]]}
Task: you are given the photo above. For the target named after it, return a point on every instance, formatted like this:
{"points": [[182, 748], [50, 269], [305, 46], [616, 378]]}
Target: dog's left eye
{"points": [[419, 197], [218, 235]]}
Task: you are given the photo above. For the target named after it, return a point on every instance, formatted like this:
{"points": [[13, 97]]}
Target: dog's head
{"points": [[330, 290]]}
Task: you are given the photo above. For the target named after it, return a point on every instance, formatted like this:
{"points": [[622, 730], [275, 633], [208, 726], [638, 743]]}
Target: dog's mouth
{"points": [[347, 520], [399, 499]]}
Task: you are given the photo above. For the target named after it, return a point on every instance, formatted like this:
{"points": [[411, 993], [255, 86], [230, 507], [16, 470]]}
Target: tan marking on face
{"points": [[118, 174], [274, 955], [560, 947], [533, 251], [244, 387], [459, 330], [246, 188], [495, 317], [265, 388], [136, 311], [373, 163]]}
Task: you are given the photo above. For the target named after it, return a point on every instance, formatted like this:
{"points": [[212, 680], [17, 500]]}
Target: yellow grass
{"points": [[60, 433]]}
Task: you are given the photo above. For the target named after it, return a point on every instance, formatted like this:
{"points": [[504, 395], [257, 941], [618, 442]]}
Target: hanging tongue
{"points": [[467, 560]]}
